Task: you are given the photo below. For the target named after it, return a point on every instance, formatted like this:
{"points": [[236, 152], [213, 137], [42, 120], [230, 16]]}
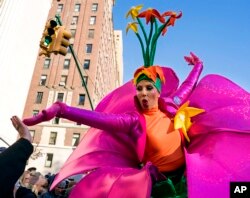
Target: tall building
{"points": [[57, 78]]}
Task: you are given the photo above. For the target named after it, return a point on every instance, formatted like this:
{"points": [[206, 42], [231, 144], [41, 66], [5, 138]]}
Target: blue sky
{"points": [[218, 31]]}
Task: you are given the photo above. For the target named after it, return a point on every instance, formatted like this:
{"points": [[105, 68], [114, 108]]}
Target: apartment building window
{"points": [[52, 138], [94, 7], [85, 78], [74, 20], [77, 7], [35, 112], [39, 97], [56, 120], [88, 48], [73, 33], [43, 80], [86, 64], [91, 33], [63, 80], [59, 8], [46, 63], [60, 96], [49, 159], [66, 63], [75, 139], [92, 20], [68, 50], [81, 99]]}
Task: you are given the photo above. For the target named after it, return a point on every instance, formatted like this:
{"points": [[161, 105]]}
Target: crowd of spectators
{"points": [[38, 184], [16, 182]]}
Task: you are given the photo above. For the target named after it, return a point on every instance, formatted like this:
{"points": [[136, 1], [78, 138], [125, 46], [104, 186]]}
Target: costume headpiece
{"points": [[148, 46]]}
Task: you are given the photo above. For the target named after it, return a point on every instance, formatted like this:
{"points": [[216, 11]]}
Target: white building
{"points": [[21, 24]]}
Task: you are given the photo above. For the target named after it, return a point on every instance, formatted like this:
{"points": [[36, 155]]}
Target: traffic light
{"points": [[61, 41], [48, 38]]}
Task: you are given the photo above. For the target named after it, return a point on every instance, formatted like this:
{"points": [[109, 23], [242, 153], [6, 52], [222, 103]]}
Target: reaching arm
{"points": [[186, 88], [114, 122], [171, 104]]}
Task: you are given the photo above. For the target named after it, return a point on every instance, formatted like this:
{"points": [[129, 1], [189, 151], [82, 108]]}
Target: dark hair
{"points": [[31, 169]]}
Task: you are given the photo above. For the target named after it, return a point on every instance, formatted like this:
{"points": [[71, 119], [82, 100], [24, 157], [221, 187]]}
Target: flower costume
{"points": [[212, 116]]}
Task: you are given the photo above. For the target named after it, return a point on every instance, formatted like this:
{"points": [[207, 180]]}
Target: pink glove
{"points": [[45, 115]]}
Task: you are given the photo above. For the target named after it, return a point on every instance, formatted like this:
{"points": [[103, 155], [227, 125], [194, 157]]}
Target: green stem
{"points": [[148, 42], [142, 28], [153, 45], [142, 47], [155, 38]]}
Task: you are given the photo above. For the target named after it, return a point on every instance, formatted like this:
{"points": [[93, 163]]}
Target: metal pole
{"points": [[4, 141], [77, 64]]}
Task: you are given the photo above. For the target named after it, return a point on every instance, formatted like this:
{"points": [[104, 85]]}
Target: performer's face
{"points": [[147, 95]]}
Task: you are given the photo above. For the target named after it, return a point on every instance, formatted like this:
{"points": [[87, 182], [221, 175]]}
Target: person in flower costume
{"points": [[161, 138]]}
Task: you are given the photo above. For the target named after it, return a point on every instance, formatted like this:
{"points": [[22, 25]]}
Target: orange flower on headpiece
{"points": [[150, 14], [173, 16], [151, 72]]}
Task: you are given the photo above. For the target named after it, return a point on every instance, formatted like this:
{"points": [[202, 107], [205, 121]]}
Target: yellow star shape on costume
{"points": [[182, 119]]}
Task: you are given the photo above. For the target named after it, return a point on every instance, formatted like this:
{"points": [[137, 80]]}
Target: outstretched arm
{"points": [[186, 88], [100, 120]]}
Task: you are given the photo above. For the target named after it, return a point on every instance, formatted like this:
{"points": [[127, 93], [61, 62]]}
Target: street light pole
{"points": [[77, 64]]}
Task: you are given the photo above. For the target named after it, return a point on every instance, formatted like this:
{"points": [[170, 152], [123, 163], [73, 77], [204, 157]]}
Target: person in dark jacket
{"points": [[13, 161]]}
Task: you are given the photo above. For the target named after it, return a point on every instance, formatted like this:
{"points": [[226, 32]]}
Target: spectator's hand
{"points": [[21, 128]]}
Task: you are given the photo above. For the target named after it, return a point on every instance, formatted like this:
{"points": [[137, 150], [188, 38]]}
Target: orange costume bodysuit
{"points": [[163, 144]]}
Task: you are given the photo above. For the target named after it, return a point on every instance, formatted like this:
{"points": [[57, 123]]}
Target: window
{"points": [[39, 97], [56, 120], [35, 112], [60, 97], [94, 7], [73, 33], [74, 20], [52, 138], [86, 64], [75, 139], [46, 63], [81, 99], [92, 20], [32, 133], [91, 33], [68, 49], [63, 80], [59, 8], [88, 48], [43, 80], [49, 158], [77, 7], [85, 79], [66, 64]]}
